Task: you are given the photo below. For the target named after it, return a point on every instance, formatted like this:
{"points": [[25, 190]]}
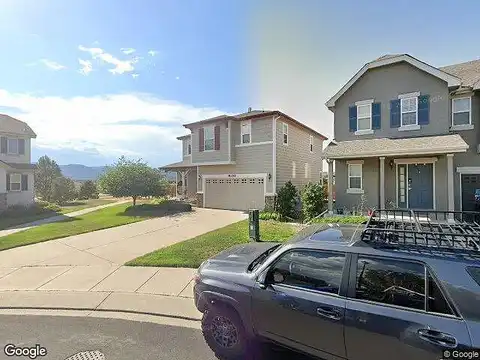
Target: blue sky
{"points": [[98, 79]]}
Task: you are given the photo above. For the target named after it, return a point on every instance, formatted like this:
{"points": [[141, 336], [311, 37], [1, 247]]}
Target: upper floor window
{"points": [[355, 176], [409, 111], [461, 110], [364, 117], [311, 143], [209, 140], [246, 132], [12, 146], [285, 134], [189, 147]]}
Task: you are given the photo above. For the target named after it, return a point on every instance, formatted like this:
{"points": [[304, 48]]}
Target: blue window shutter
{"points": [[423, 109], [395, 113], [352, 115], [376, 116]]}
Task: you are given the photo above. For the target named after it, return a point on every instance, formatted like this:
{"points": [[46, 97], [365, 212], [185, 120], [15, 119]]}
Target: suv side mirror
{"points": [[262, 280]]}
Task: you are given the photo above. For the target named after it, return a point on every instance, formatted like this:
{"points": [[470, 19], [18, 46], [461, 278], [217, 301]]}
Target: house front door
{"points": [[420, 186]]}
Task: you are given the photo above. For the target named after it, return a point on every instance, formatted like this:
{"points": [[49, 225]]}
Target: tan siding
{"points": [[21, 159], [249, 160], [261, 130], [209, 156], [298, 151]]}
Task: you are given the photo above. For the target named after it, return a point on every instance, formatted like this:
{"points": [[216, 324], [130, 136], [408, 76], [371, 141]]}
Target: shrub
{"points": [[341, 220], [63, 190], [313, 200], [88, 190], [287, 200], [269, 215], [39, 207]]}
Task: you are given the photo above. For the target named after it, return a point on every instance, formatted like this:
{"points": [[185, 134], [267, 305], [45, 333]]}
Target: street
{"points": [[108, 339]]}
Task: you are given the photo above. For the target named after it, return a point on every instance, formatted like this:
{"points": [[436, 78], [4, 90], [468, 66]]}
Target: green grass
{"points": [[40, 211], [191, 253], [100, 219], [341, 220]]}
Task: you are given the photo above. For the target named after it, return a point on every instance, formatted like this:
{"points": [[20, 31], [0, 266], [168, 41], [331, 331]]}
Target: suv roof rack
{"points": [[446, 230]]}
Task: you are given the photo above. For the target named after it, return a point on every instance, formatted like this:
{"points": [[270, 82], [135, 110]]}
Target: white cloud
{"points": [[86, 66], [127, 51], [120, 66], [177, 78], [52, 64], [152, 52], [135, 76], [138, 125]]}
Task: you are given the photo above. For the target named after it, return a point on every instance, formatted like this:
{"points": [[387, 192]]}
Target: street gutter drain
{"points": [[87, 355]]}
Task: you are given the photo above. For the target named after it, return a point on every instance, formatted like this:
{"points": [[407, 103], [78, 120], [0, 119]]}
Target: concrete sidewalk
{"points": [[144, 290], [57, 218]]}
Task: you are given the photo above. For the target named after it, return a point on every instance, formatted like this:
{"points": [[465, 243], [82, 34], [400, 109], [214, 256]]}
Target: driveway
{"points": [[113, 247]]}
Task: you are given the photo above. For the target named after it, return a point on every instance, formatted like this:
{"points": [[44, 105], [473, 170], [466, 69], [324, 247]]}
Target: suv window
{"points": [[474, 273], [398, 283], [391, 282], [313, 270]]}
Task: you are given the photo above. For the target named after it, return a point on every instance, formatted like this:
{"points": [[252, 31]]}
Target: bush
{"points": [[313, 200], [269, 215], [88, 190], [341, 220], [287, 200], [63, 190], [40, 207]]}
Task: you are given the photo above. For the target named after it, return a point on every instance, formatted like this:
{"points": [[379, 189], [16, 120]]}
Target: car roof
{"points": [[347, 238]]}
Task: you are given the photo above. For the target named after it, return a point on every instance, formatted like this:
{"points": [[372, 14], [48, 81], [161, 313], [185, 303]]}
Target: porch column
{"points": [[450, 187], [382, 182], [330, 186], [184, 188]]}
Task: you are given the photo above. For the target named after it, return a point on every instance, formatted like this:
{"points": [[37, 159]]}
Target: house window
{"points": [[355, 176], [285, 134], [15, 182], [294, 170], [12, 146], [307, 171], [209, 140], [461, 111], [364, 117], [409, 109], [189, 147], [311, 143], [246, 132]]}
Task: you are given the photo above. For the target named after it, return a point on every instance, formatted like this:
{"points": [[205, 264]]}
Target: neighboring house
{"points": [[239, 162], [407, 135], [16, 170]]}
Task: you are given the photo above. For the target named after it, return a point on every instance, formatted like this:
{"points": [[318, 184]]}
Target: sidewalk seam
{"points": [[70, 268], [155, 273], [101, 302], [185, 287], [113, 272]]}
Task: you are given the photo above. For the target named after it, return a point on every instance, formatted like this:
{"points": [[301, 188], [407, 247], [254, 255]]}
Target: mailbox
{"points": [[254, 224]]}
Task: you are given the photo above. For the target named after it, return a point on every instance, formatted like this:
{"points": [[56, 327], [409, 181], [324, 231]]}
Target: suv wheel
{"points": [[224, 333]]}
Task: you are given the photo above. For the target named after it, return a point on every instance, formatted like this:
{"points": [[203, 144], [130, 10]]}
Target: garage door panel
{"points": [[235, 193]]}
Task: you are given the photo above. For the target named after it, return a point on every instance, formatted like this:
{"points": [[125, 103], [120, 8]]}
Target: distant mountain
{"points": [[81, 172]]}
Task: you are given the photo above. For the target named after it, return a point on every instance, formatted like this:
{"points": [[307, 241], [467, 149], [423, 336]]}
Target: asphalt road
{"points": [[109, 339]]}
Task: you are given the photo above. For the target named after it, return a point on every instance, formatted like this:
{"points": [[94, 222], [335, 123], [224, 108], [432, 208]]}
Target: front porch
{"points": [[401, 175], [186, 179]]}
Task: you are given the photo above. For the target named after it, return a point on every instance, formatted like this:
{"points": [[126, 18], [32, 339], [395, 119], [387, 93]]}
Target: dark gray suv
{"points": [[405, 285]]}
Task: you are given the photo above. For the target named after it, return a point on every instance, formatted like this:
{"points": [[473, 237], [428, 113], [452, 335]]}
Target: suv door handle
{"points": [[437, 338], [329, 312]]}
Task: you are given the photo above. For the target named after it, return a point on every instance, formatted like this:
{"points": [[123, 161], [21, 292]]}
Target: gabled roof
{"points": [[468, 71], [11, 125], [184, 137], [384, 60], [255, 114]]}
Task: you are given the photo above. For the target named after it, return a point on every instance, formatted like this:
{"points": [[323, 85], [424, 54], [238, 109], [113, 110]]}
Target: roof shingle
{"points": [[9, 124], [468, 71]]}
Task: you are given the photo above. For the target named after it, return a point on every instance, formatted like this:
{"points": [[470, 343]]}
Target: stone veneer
{"points": [[269, 203], [199, 200]]}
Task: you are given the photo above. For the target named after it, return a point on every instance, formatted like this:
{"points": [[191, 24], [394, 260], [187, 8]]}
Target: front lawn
{"points": [[191, 253], [42, 210], [100, 219]]}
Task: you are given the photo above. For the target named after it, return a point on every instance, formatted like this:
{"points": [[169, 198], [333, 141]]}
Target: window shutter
{"points": [[352, 115], [201, 140], [24, 182], [423, 109], [217, 137], [3, 145], [21, 146], [8, 182], [376, 116], [395, 113]]}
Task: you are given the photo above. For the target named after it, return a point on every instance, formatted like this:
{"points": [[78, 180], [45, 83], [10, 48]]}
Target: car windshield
{"points": [[474, 273], [261, 259]]}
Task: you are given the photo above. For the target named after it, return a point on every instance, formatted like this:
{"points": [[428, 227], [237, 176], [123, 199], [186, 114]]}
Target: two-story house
{"points": [[16, 169], [239, 162], [407, 135]]}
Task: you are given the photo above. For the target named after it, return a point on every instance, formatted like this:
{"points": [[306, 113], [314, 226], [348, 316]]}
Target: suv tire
{"points": [[224, 333]]}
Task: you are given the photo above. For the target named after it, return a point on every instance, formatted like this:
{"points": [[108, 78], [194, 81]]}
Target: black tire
{"points": [[224, 333]]}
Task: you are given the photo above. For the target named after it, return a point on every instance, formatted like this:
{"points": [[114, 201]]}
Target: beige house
{"points": [[16, 169], [239, 162]]}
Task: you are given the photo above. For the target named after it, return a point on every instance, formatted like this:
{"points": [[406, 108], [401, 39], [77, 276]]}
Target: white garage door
{"points": [[235, 193]]}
